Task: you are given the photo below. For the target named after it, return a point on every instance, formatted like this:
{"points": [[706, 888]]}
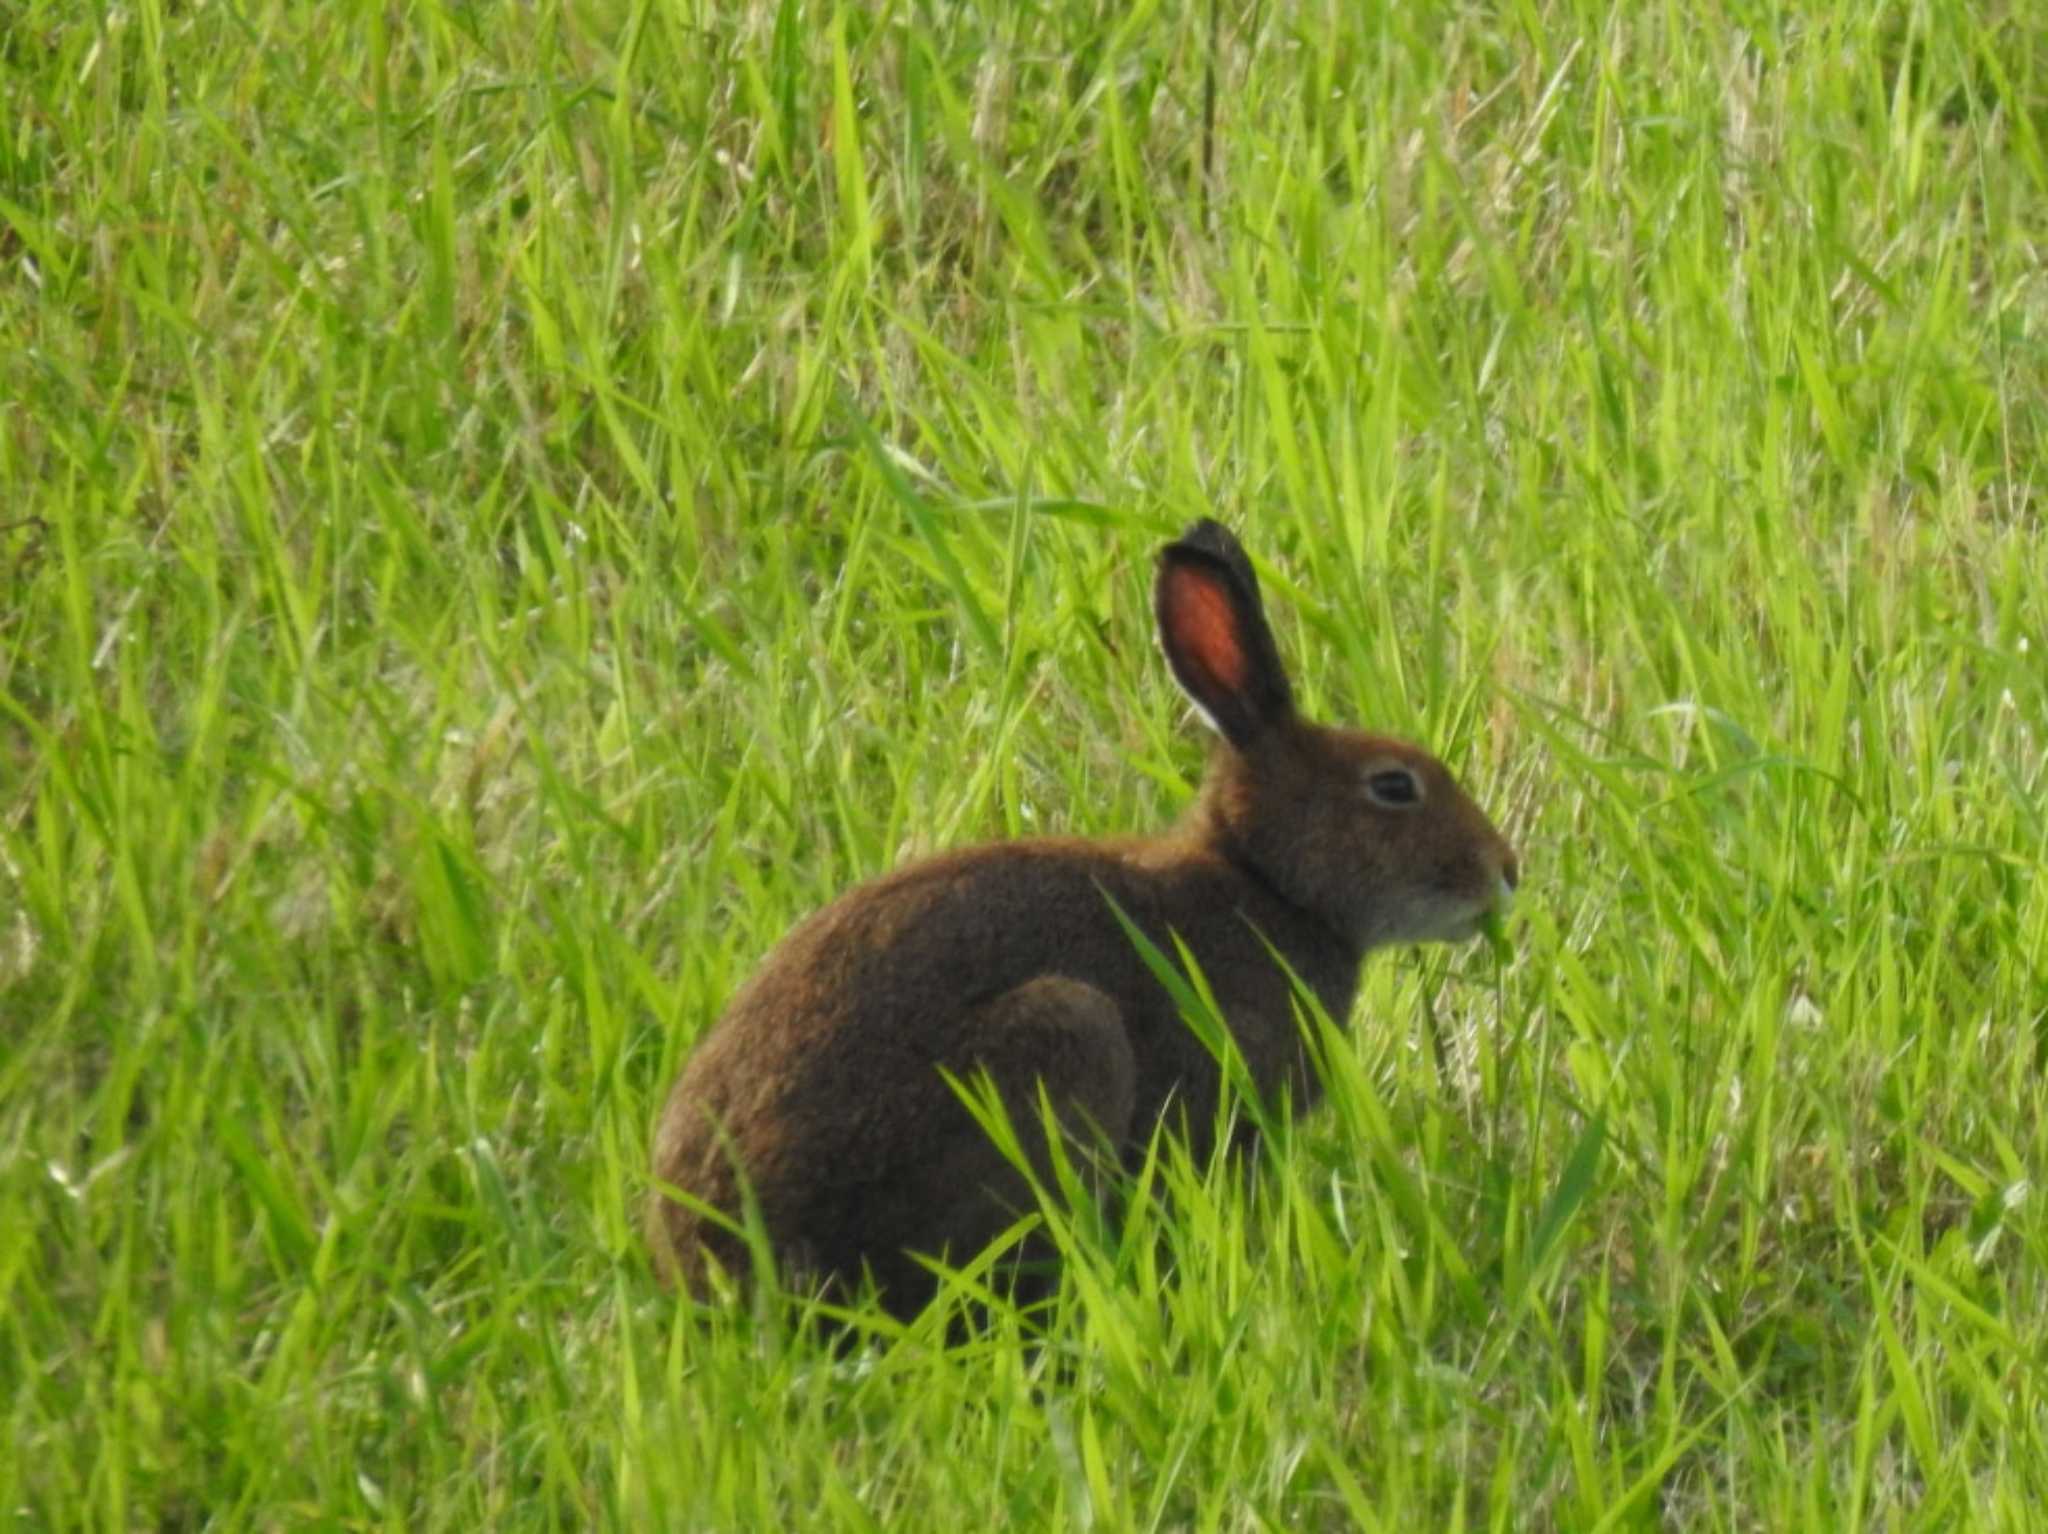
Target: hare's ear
{"points": [[1215, 635]]}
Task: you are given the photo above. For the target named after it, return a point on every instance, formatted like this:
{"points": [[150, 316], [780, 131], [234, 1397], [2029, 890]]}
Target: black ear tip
{"points": [[1208, 536], [1209, 540]]}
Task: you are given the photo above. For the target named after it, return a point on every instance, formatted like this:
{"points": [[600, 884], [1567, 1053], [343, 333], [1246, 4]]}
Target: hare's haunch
{"points": [[822, 1092]]}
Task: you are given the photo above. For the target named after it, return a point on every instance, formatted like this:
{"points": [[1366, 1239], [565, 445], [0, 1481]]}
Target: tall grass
{"points": [[508, 506]]}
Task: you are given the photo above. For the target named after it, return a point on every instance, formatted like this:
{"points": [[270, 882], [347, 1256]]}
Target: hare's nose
{"points": [[1510, 869]]}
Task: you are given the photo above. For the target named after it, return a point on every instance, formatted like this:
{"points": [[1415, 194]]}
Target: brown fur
{"points": [[822, 1087]]}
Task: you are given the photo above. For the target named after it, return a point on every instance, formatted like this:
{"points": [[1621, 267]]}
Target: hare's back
{"points": [[897, 962]]}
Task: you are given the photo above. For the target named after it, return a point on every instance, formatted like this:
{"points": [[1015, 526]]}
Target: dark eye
{"points": [[1395, 787]]}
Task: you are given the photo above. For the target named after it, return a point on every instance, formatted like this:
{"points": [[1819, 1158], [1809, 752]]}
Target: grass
{"points": [[507, 507]]}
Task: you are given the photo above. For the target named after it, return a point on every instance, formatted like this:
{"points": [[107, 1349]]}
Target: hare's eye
{"points": [[1393, 787]]}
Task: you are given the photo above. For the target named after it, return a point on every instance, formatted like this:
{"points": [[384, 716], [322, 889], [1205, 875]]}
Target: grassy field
{"points": [[505, 507]]}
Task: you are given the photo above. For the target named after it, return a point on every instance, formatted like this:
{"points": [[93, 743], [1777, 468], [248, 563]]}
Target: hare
{"points": [[822, 1094]]}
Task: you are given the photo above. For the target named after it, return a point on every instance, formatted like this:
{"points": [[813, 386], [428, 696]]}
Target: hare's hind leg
{"points": [[1051, 1033], [1066, 1038]]}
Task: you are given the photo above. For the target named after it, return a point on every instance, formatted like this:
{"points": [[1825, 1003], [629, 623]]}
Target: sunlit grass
{"points": [[508, 507]]}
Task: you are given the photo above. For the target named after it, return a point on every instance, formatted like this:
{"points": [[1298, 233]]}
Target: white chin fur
{"points": [[1447, 924]]}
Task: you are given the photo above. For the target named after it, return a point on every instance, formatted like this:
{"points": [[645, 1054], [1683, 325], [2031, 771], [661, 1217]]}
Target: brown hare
{"points": [[823, 1092]]}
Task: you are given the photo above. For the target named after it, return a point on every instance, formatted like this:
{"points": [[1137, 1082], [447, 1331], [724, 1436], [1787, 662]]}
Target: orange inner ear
{"points": [[1206, 625]]}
